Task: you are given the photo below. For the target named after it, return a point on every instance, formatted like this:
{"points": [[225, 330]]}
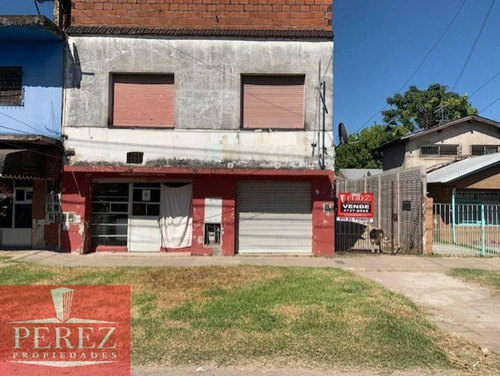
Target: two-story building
{"points": [[197, 127], [31, 80]]}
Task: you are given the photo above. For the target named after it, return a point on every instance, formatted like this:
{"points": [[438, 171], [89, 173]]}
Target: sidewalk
{"points": [[464, 309], [358, 263]]}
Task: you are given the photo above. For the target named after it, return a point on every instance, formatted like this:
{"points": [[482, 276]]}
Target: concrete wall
{"points": [[207, 98], [42, 64], [465, 135]]}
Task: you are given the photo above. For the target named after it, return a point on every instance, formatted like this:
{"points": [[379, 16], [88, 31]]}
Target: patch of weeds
{"points": [[487, 278]]}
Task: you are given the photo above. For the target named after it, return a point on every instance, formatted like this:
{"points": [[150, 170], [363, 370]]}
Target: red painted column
{"points": [[76, 198], [229, 218], [214, 187], [323, 217]]}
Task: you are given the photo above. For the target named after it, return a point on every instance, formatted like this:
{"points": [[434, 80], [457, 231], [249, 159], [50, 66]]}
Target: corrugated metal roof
{"points": [[463, 168], [200, 33], [358, 173]]}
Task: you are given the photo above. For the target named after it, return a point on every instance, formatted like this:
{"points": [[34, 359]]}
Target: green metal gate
{"points": [[466, 229]]}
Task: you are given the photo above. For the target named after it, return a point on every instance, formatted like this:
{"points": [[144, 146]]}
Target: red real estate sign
{"points": [[65, 330], [355, 206]]}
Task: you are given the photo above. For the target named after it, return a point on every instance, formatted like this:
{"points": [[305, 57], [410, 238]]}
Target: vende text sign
{"points": [[355, 207]]}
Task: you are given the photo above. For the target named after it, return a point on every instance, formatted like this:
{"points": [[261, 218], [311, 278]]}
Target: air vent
{"points": [[135, 157]]}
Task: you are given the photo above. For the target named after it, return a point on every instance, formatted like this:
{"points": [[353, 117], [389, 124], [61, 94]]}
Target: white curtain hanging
{"points": [[176, 216]]}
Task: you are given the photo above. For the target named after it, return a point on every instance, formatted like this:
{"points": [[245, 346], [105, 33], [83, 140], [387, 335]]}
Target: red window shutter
{"points": [[143, 100], [273, 102]]}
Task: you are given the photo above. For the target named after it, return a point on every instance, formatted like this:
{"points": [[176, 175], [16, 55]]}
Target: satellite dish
{"points": [[343, 136]]}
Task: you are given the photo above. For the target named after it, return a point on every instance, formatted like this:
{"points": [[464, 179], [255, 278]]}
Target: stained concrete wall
{"points": [[207, 98]]}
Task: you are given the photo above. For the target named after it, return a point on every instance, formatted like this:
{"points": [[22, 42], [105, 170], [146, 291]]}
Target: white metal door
{"points": [[145, 234], [274, 217]]}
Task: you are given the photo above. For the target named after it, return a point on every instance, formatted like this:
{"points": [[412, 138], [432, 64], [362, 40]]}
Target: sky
{"points": [[25, 7], [379, 45]]}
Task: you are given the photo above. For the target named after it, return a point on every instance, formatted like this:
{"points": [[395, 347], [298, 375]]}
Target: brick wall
{"points": [[205, 14]]}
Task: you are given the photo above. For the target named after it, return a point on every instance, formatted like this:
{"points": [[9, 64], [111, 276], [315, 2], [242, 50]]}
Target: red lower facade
{"points": [[77, 204]]}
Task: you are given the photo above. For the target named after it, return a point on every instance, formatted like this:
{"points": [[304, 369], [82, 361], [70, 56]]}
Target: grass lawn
{"points": [[274, 315], [487, 278]]}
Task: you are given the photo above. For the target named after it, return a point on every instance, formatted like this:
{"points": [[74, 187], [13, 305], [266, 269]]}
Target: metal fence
{"points": [[399, 211], [466, 229]]}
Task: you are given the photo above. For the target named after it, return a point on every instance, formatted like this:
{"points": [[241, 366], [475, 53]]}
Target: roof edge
{"points": [[28, 138], [30, 21], [201, 33], [440, 127]]}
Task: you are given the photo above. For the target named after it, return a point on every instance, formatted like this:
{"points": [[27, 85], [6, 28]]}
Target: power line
{"points": [[423, 60], [21, 122], [483, 85], [491, 104], [480, 32]]}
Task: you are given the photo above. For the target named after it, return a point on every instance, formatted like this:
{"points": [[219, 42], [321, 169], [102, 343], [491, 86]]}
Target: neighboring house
{"points": [[194, 127], [31, 79], [357, 173], [443, 144], [466, 210], [470, 181]]}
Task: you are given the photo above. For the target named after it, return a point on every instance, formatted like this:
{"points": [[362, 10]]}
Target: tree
{"points": [[419, 109], [359, 153]]}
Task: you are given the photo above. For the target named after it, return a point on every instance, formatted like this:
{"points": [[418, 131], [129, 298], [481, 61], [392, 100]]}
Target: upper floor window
{"points": [[11, 86], [142, 100], [484, 149], [273, 102], [439, 150]]}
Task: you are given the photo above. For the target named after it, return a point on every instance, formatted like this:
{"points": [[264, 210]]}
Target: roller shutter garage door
{"points": [[274, 217]]}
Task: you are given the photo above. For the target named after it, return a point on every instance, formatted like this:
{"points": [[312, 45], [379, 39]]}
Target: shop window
{"points": [[142, 100], [16, 204], [6, 203], [273, 102], [110, 206], [11, 86], [146, 200]]}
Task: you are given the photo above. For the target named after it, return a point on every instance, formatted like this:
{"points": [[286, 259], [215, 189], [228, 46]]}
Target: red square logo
{"points": [[65, 330]]}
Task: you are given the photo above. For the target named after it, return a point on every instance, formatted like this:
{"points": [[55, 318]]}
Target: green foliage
{"points": [[418, 109], [412, 111], [359, 152]]}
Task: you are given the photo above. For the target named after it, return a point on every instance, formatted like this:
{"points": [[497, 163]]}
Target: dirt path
{"points": [[462, 308]]}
